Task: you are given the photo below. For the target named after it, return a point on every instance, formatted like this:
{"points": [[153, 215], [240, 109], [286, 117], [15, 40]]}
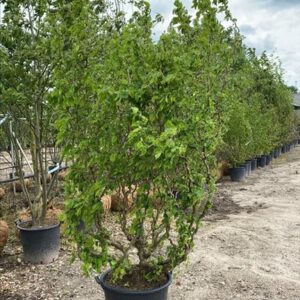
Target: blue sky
{"points": [[271, 25]]}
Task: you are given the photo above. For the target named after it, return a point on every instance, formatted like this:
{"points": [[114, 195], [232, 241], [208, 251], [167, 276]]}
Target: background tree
{"points": [[25, 76], [293, 89]]}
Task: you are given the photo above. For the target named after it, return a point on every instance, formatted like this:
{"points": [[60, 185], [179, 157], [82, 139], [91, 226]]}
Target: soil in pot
{"points": [[238, 174], [137, 288], [3, 235], [52, 217], [40, 244]]}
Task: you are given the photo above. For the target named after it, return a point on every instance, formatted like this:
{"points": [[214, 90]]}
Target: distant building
{"points": [[296, 104]]}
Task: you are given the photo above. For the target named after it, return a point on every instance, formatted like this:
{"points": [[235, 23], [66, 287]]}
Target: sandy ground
{"points": [[248, 248], [254, 254]]}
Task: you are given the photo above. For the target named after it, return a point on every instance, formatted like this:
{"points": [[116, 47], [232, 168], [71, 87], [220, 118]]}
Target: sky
{"points": [[271, 25]]}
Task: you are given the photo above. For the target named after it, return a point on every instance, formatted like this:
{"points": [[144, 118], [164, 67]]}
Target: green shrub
{"points": [[149, 128]]}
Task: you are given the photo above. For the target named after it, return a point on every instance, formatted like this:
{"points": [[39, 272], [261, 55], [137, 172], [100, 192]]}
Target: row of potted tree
{"points": [[240, 172]]}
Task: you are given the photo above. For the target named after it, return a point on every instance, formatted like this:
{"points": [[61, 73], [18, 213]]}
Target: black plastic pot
{"points": [[112, 293], [268, 159], [83, 228], [261, 161], [248, 164], [283, 149], [272, 155], [40, 245], [276, 153], [238, 174], [247, 167], [253, 164]]}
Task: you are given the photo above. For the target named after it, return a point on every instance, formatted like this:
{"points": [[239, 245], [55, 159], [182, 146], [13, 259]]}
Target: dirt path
{"points": [[249, 248], [254, 254]]}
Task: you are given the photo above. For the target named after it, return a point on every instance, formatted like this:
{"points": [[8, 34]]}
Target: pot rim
{"points": [[263, 157], [46, 227], [100, 279], [240, 167]]}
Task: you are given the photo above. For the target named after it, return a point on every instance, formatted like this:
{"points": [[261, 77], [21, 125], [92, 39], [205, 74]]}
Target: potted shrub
{"points": [[235, 148], [149, 134], [25, 77]]}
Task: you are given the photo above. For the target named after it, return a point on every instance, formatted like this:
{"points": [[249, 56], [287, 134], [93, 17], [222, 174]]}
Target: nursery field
{"points": [[247, 248], [121, 137]]}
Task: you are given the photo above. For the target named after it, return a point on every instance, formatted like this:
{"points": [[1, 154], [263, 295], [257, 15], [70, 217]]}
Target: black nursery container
{"points": [[40, 245], [272, 154], [238, 174], [283, 149], [253, 164], [276, 153], [268, 159], [114, 293], [261, 161], [249, 166]]}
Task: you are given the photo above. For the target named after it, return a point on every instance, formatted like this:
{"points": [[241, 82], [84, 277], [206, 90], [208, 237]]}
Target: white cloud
{"points": [[271, 25], [275, 28]]}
